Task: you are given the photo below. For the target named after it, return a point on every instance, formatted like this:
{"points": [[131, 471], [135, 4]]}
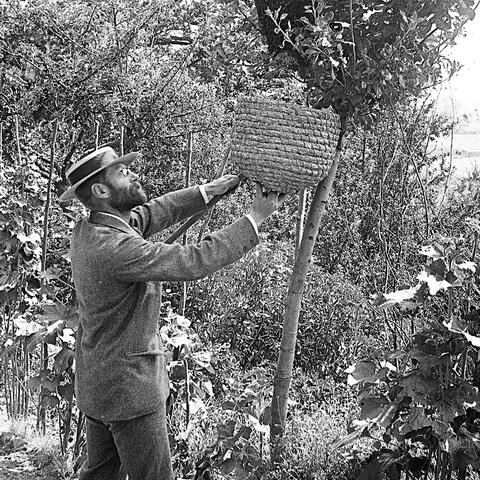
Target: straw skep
{"points": [[284, 146]]}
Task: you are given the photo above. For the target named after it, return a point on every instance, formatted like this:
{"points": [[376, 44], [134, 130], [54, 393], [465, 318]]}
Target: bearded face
{"points": [[125, 197]]}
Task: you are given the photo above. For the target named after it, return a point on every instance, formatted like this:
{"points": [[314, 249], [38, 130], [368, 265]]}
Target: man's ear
{"points": [[100, 190]]}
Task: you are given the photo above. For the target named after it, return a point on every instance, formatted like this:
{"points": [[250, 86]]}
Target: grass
{"points": [[42, 451], [312, 426]]}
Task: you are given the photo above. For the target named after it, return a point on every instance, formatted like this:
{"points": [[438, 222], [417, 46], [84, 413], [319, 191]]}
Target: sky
{"points": [[464, 88]]}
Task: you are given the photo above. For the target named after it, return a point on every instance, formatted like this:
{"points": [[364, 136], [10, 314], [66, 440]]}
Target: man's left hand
{"points": [[221, 185]]}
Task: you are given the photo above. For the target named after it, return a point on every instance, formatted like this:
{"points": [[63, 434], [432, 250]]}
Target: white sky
{"points": [[465, 86]]}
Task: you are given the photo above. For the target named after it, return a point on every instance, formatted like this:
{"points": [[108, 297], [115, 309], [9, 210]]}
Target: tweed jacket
{"points": [[120, 365]]}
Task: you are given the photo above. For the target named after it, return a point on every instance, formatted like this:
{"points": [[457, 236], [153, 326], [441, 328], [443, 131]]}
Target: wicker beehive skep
{"points": [[284, 146]]}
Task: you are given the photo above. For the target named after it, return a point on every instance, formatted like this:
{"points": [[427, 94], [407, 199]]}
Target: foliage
{"points": [[387, 199], [363, 56], [420, 402], [151, 72], [242, 306]]}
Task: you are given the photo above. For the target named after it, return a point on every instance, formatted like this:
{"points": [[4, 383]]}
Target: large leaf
{"points": [[349, 438], [378, 409], [60, 312], [9, 280], [63, 360], [406, 299], [372, 471], [25, 327], [364, 372], [66, 391], [419, 387]]}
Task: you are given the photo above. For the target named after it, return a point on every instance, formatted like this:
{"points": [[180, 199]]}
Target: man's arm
{"points": [[162, 212], [169, 209], [133, 259]]}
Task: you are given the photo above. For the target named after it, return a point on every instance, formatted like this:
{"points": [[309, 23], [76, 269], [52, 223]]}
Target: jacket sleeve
{"points": [[167, 210], [133, 259]]}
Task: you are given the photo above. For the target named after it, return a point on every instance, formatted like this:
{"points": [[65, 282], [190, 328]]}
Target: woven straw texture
{"points": [[285, 147]]}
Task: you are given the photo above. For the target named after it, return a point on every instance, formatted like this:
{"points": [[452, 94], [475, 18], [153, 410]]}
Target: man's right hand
{"points": [[265, 204]]}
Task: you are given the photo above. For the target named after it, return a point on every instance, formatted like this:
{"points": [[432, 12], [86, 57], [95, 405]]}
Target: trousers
{"points": [[138, 446]]}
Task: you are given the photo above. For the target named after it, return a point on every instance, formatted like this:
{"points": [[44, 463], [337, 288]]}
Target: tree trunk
{"points": [[303, 260]]}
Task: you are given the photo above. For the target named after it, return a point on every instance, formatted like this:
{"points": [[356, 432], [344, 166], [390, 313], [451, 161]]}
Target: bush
{"points": [[242, 306]]}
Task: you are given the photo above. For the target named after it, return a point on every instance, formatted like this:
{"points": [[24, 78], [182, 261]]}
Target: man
{"points": [[121, 381]]}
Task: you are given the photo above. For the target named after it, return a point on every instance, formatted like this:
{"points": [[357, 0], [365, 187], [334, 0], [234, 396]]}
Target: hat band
{"points": [[87, 168]]}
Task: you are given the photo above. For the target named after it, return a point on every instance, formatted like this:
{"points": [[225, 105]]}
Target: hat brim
{"points": [[69, 194]]}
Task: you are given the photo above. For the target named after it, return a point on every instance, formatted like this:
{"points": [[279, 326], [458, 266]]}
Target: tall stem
{"points": [[1, 142], [49, 195], [188, 169], [303, 261]]}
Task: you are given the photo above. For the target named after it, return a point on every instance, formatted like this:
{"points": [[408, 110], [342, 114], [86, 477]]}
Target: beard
{"points": [[123, 200]]}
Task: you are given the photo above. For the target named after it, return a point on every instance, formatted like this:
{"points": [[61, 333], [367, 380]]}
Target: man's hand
{"points": [[221, 185], [265, 204]]}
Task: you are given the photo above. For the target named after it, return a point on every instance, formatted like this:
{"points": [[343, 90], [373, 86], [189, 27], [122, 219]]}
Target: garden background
{"points": [[387, 369]]}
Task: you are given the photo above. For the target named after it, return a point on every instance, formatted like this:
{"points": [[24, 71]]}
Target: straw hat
{"points": [[90, 165]]}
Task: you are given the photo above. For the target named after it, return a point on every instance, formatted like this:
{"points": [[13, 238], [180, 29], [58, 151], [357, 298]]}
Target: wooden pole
{"points": [[1, 142], [188, 169], [209, 215], [17, 141], [97, 133], [121, 140]]}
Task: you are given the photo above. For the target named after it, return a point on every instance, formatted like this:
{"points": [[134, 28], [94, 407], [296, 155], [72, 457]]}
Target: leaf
{"points": [[33, 238], [257, 425], [474, 224], [348, 439], [431, 251], [434, 282], [63, 360], [26, 328], [59, 311], [49, 401], [406, 298], [9, 280], [67, 336], [466, 11], [34, 382], [372, 471], [469, 266], [226, 430], [179, 340], [475, 341], [50, 385], [374, 408], [228, 405], [419, 387], [203, 359], [459, 326], [66, 391], [228, 466], [362, 372]]}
